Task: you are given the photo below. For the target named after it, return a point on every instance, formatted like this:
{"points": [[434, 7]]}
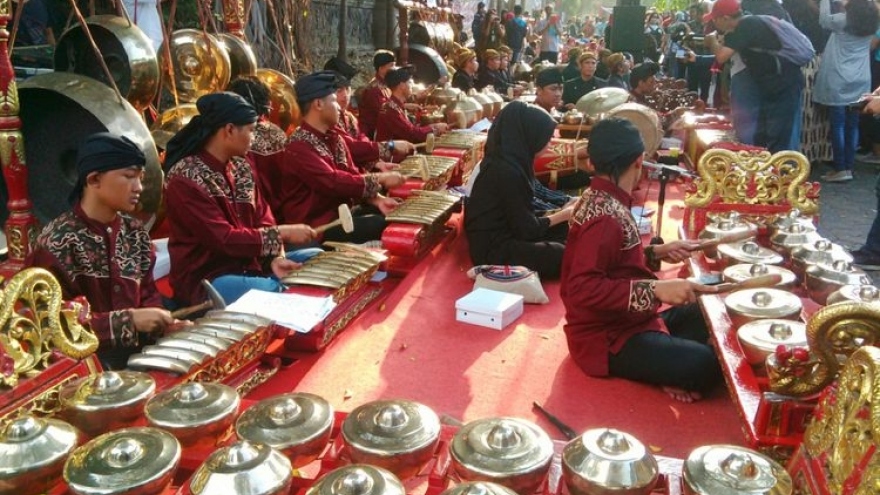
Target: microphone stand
{"points": [[664, 174]]}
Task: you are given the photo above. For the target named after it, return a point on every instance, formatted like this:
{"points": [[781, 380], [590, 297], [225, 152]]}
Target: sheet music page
{"points": [[301, 313]]}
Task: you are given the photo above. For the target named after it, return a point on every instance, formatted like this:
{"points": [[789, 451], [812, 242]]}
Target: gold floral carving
{"points": [[4, 9], [256, 379], [45, 404], [753, 178], [16, 244], [833, 332], [11, 143], [339, 324], [847, 425], [233, 16], [34, 321], [9, 101], [230, 361]]}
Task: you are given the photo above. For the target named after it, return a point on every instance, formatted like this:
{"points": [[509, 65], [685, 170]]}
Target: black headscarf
{"points": [[103, 152], [519, 132], [215, 111]]}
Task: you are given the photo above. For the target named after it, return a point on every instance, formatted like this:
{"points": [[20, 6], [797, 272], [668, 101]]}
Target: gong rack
{"points": [[433, 479]]}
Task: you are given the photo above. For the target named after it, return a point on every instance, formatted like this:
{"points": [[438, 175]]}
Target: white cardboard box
{"points": [[489, 308]]}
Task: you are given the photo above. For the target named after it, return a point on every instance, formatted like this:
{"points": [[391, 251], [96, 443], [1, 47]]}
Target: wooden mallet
{"points": [[345, 219], [214, 301], [423, 172], [428, 145]]}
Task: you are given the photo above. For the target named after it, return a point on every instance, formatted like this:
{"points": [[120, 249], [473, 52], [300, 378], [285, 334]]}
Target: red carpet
{"points": [[411, 347]]}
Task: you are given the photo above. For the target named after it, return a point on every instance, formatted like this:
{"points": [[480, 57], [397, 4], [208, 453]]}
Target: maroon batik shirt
{"points": [[607, 289], [110, 264], [394, 123], [364, 152], [267, 154], [219, 222], [319, 175], [370, 103]]}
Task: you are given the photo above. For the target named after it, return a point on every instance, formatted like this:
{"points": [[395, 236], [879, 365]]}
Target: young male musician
{"points": [[376, 93], [96, 250], [394, 123], [368, 155], [319, 173], [611, 298], [267, 144], [221, 227]]}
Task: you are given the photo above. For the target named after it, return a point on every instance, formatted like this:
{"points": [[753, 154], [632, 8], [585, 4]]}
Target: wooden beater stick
{"points": [[345, 219], [751, 283], [422, 172], [428, 145], [725, 239]]}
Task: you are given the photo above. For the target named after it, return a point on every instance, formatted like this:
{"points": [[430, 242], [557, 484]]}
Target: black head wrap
{"points": [[641, 72], [614, 144], [336, 64], [519, 132], [383, 57], [548, 76], [315, 86], [215, 111], [103, 152], [397, 76], [254, 91]]}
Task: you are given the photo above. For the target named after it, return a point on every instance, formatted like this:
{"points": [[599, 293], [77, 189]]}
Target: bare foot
{"points": [[682, 395]]}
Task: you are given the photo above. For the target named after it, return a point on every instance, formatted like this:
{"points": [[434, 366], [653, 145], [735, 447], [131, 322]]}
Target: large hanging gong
{"points": [[242, 61], [429, 65], [58, 111], [285, 111], [127, 51], [200, 63]]}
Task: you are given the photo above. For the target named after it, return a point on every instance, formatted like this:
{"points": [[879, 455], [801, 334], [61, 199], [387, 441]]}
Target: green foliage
{"points": [[187, 15], [671, 5]]}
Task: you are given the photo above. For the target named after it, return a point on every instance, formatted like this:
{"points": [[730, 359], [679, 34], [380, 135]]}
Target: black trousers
{"points": [[683, 359], [368, 226], [544, 256]]}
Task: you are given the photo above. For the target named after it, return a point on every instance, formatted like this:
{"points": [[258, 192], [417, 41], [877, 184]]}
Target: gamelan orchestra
{"points": [[241, 271]]}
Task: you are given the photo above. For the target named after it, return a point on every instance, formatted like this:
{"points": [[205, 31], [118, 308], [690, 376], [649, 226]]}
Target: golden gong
{"points": [[58, 111], [170, 121], [285, 111], [200, 64], [126, 50], [242, 61]]}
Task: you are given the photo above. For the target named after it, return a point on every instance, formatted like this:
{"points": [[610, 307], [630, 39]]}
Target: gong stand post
{"points": [[233, 17], [664, 175], [21, 227]]}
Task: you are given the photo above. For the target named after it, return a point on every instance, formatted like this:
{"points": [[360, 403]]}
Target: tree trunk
{"points": [[343, 27], [391, 24]]}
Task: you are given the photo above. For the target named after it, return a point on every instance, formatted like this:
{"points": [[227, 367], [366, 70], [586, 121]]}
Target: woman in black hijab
{"points": [[501, 225]]}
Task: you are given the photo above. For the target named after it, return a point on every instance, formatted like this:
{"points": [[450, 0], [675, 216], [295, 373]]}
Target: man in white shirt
{"points": [[550, 29]]}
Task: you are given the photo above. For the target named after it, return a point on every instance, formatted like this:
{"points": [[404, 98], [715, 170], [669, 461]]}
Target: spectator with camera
{"points": [[516, 31]]}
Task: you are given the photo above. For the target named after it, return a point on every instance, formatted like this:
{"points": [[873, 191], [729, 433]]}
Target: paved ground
{"points": [[847, 209]]}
